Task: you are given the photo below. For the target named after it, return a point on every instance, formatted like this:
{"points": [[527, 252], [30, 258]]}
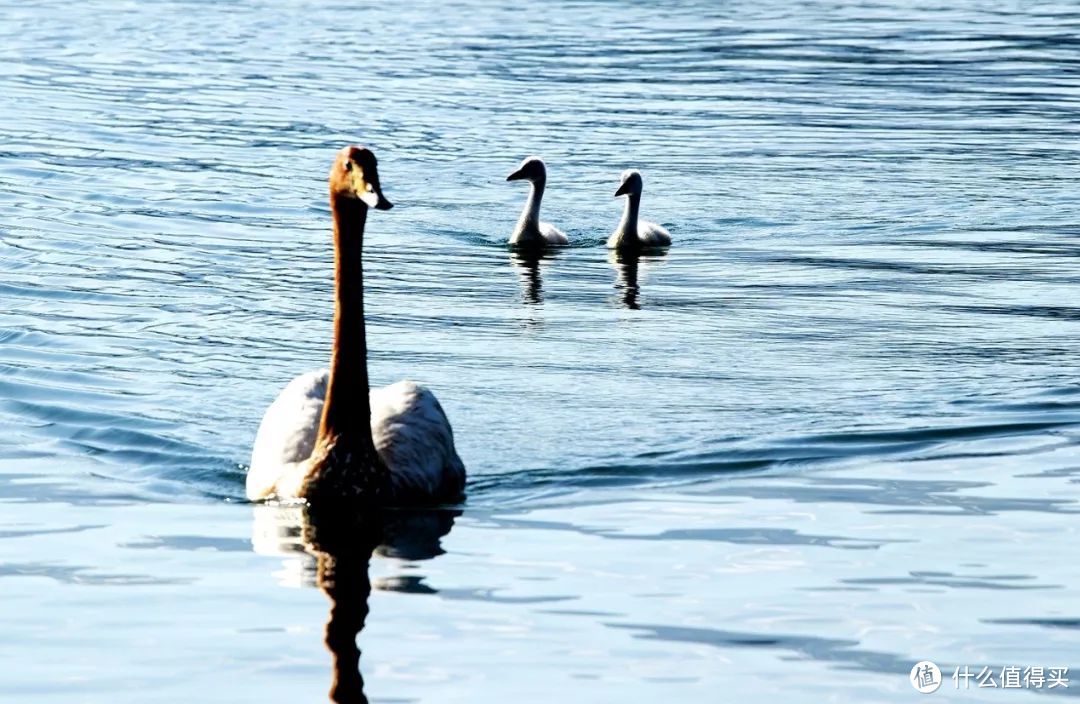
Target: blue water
{"points": [[833, 431]]}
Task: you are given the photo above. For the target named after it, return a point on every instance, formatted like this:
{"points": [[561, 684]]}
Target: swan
{"points": [[631, 232], [326, 436], [529, 231]]}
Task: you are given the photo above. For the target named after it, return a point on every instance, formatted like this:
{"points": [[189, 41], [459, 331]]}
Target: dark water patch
{"points": [[918, 269], [44, 488], [1070, 473], [758, 536], [1051, 249], [864, 442], [946, 579], [897, 496], [31, 532], [1053, 312], [845, 653], [799, 454], [1053, 623], [735, 536], [580, 612], [93, 487], [490, 596], [65, 416], [39, 292], [405, 584], [190, 542], [863, 329], [85, 575]]}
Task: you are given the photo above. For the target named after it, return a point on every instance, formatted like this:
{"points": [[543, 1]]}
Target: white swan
{"points": [[633, 233], [529, 231], [327, 436]]}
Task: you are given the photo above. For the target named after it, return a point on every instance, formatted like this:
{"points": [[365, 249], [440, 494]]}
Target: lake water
{"points": [[833, 431]]}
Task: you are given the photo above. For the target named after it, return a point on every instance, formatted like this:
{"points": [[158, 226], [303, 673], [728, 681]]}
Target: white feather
{"points": [[414, 439], [408, 426], [652, 235], [633, 232], [649, 234], [552, 234], [286, 435], [529, 230]]}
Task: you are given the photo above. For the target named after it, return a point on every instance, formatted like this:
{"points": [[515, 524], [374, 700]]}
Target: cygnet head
{"points": [[631, 184], [355, 174], [532, 169]]}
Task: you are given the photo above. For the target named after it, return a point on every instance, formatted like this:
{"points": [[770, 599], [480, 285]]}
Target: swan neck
{"points": [[531, 212], [628, 224], [347, 411]]}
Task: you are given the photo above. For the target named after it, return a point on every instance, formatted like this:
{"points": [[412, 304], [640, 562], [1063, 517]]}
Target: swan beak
{"points": [[516, 176], [370, 193], [623, 189], [375, 199]]}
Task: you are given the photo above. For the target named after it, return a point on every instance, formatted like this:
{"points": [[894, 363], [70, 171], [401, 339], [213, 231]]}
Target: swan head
{"points": [[631, 184], [355, 174], [532, 169]]}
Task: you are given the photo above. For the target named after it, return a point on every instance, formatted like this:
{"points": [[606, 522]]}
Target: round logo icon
{"points": [[925, 677]]}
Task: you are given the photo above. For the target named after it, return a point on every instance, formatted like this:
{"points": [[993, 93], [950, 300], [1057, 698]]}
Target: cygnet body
{"points": [[632, 232], [529, 231]]}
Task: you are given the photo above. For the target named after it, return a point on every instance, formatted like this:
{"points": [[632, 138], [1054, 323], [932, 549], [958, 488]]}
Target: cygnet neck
{"points": [[628, 224], [531, 213]]}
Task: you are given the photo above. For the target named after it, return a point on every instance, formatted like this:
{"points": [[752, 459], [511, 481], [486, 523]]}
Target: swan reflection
{"points": [[526, 263], [333, 553], [629, 266]]}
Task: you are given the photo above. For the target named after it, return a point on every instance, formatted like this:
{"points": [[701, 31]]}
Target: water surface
{"points": [[834, 430]]}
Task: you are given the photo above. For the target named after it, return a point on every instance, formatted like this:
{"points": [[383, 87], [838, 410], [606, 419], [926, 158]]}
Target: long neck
{"points": [[628, 224], [531, 213], [347, 410]]}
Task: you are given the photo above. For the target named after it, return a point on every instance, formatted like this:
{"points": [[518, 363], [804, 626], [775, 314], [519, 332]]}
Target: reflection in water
{"points": [[626, 264], [527, 264], [333, 552], [344, 579]]}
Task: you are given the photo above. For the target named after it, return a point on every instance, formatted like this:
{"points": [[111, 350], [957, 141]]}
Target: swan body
{"points": [[529, 230], [409, 428], [633, 232], [544, 233], [328, 435]]}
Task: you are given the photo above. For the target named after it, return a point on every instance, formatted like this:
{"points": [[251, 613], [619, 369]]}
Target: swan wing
{"points": [[287, 433], [552, 234], [653, 235], [414, 439], [410, 429]]}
